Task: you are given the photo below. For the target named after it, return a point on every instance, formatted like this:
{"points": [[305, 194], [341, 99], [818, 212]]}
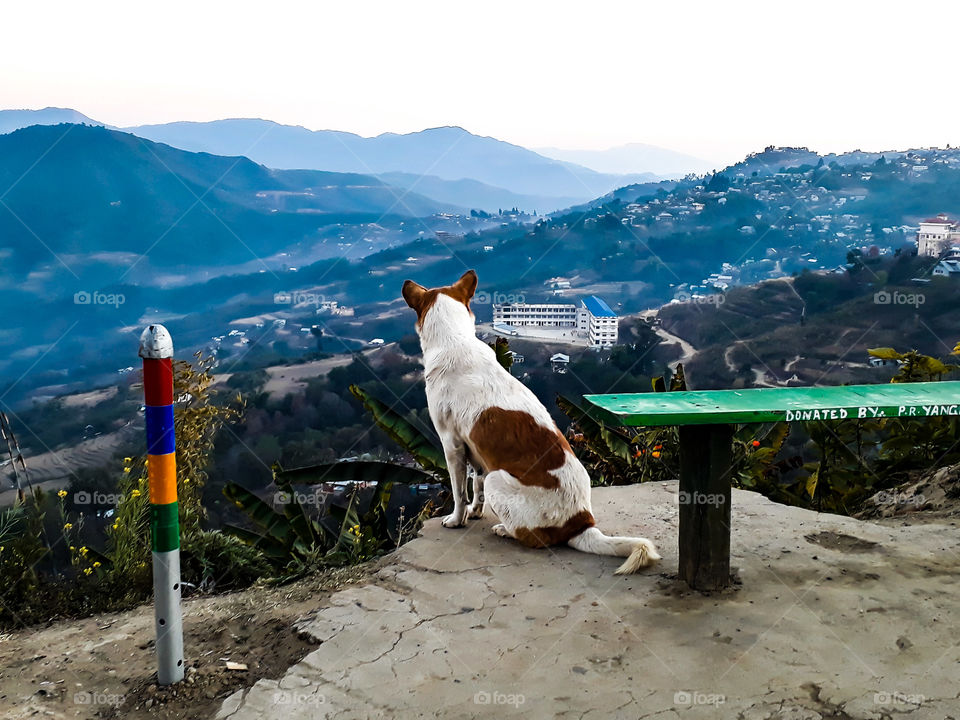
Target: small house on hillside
{"points": [[559, 362], [947, 268]]}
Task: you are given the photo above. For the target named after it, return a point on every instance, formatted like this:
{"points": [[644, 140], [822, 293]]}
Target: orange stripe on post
{"points": [[162, 472]]}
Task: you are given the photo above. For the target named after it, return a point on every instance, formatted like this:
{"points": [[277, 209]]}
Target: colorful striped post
{"points": [[156, 349]]}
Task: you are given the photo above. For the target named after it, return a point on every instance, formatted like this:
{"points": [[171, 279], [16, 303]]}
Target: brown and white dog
{"points": [[524, 467]]}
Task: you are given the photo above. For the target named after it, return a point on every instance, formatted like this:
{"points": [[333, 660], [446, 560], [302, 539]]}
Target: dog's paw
{"points": [[454, 520], [474, 511], [501, 530]]}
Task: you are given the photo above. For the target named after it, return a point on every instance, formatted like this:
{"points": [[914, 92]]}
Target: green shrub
{"points": [[213, 561]]}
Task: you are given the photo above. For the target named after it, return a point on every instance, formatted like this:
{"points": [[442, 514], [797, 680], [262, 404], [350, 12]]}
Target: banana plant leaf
{"points": [[361, 471], [613, 441], [275, 524], [376, 515], [347, 538], [885, 353], [308, 532], [270, 547], [401, 431]]}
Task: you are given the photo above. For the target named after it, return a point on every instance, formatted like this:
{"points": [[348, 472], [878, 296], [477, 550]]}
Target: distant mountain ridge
{"points": [[11, 120], [448, 153]]}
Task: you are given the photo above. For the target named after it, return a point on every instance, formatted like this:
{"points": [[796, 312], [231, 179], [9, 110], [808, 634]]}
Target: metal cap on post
{"points": [[156, 343], [156, 349]]}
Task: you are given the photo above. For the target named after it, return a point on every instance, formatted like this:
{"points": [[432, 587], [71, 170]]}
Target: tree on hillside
{"points": [[718, 183]]}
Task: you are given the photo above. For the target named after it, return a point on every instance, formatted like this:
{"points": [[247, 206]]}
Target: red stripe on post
{"points": [[158, 381]]}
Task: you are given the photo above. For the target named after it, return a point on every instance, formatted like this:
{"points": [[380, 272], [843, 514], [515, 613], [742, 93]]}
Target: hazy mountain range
{"points": [[448, 153], [457, 166]]}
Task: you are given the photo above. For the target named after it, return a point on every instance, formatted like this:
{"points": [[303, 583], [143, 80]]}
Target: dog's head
{"points": [[423, 299]]}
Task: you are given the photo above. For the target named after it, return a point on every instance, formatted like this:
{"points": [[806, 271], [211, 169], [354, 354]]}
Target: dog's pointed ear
{"points": [[413, 293], [467, 284]]}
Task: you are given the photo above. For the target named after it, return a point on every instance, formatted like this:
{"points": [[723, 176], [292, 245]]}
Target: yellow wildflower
{"points": [[61, 493], [128, 459], [135, 493], [87, 571], [68, 526], [116, 526], [83, 551], [96, 564], [126, 469]]}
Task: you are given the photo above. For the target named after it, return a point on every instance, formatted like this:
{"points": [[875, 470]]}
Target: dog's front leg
{"points": [[456, 456]]}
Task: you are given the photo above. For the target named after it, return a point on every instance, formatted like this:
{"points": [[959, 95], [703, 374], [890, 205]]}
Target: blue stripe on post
{"points": [[160, 436]]}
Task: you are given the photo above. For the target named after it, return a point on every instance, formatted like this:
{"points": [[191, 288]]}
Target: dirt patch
{"points": [[104, 666], [266, 648], [89, 399], [842, 542]]}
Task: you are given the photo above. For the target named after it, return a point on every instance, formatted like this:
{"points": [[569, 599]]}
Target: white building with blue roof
{"points": [[602, 324], [592, 319]]}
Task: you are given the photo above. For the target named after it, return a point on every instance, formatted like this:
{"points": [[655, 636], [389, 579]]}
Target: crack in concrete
{"points": [[460, 571]]}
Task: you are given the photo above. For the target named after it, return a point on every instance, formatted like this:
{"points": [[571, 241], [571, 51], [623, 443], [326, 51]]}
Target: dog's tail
{"points": [[639, 552]]}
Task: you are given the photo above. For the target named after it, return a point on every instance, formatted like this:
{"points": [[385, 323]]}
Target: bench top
{"points": [[720, 407]]}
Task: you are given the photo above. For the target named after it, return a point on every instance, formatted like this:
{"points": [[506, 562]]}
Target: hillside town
{"points": [[818, 214]]}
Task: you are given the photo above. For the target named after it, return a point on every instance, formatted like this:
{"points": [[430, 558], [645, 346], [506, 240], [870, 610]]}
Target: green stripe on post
{"points": [[165, 527]]}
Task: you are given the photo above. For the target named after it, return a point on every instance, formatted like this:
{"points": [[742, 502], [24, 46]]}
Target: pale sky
{"points": [[714, 79]]}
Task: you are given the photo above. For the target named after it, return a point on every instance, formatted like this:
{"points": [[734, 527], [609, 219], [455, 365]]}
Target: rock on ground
{"points": [[835, 618], [931, 495]]}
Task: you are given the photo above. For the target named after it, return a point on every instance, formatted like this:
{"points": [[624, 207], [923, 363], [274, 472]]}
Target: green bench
{"points": [[706, 420]]}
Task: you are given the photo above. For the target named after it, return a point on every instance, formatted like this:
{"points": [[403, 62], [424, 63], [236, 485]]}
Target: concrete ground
{"points": [[835, 618]]}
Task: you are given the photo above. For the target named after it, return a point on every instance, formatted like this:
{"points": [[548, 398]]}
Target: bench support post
{"points": [[705, 468]]}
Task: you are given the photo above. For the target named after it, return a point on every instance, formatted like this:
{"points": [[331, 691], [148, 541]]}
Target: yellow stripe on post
{"points": [[162, 472]]}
